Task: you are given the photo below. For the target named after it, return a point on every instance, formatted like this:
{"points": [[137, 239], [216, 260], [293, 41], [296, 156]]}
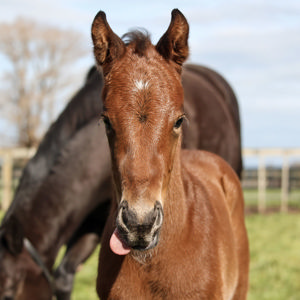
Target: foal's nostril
{"points": [[126, 218], [124, 212], [158, 214]]}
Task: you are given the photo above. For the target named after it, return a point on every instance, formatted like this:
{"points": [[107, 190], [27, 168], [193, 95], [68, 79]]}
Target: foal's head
{"points": [[143, 113]]}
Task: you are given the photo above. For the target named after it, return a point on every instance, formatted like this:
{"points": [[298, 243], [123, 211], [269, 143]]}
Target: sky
{"points": [[254, 44]]}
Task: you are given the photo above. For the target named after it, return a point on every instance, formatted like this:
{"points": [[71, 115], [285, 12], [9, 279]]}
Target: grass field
{"points": [[275, 260], [275, 256]]}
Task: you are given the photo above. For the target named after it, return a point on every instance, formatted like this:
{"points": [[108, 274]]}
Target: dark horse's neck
{"points": [[42, 202], [57, 209]]}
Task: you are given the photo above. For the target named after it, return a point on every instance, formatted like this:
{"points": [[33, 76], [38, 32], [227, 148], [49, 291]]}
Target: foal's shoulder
{"points": [[210, 170], [201, 161]]}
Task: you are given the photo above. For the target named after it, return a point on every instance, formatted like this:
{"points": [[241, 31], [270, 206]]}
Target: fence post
{"points": [[7, 169], [262, 183], [284, 184]]}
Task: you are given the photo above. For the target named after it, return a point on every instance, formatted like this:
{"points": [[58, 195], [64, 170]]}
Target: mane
{"points": [[140, 39], [82, 108]]}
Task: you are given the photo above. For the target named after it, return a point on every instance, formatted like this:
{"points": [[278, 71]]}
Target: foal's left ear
{"points": [[107, 45], [173, 45]]}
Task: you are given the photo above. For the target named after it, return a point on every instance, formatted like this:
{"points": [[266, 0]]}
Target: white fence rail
{"points": [[9, 155], [262, 154]]}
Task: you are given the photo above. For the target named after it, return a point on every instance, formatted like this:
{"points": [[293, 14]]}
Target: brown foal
{"points": [[176, 229]]}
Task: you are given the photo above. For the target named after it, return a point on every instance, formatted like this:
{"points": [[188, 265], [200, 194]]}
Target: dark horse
{"points": [[64, 193], [63, 197], [176, 229]]}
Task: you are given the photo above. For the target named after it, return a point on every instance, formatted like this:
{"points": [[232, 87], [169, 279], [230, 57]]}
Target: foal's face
{"points": [[143, 112]]}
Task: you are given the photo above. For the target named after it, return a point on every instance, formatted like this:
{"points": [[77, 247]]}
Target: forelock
{"points": [[139, 39]]}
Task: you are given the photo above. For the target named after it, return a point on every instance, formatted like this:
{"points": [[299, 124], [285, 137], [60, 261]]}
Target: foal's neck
{"points": [[175, 208]]}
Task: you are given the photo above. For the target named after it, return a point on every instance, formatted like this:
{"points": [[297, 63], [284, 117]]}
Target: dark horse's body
{"points": [[64, 193]]}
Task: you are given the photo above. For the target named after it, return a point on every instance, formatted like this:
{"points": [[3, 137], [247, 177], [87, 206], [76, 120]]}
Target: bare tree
{"points": [[39, 58]]}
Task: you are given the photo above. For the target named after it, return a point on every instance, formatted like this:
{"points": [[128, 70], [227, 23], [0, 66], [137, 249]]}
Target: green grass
{"points": [[275, 260], [275, 256], [85, 282]]}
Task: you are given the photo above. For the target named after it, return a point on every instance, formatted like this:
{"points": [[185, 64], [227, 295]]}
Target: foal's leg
{"points": [[75, 255]]}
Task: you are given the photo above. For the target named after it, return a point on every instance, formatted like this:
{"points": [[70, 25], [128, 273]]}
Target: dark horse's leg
{"points": [[77, 254], [81, 246]]}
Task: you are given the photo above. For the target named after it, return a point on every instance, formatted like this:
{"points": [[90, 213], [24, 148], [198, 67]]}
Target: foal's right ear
{"points": [[173, 45], [12, 235], [107, 45]]}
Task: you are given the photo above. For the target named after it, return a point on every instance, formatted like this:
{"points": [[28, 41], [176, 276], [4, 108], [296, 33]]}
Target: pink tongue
{"points": [[117, 246]]}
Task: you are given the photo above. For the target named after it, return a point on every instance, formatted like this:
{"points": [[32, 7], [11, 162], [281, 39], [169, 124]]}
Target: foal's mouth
{"points": [[133, 235], [120, 244]]}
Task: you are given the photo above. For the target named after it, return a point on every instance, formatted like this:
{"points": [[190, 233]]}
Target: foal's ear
{"points": [[107, 45], [173, 45], [11, 235]]}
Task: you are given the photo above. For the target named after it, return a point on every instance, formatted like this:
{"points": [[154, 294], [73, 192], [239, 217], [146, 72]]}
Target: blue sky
{"points": [[254, 44]]}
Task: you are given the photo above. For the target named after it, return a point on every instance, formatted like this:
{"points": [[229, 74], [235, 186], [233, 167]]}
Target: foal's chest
{"points": [[159, 281], [139, 280]]}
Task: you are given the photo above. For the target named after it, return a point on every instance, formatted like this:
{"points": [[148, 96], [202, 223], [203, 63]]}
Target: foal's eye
{"points": [[178, 123], [107, 123]]}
